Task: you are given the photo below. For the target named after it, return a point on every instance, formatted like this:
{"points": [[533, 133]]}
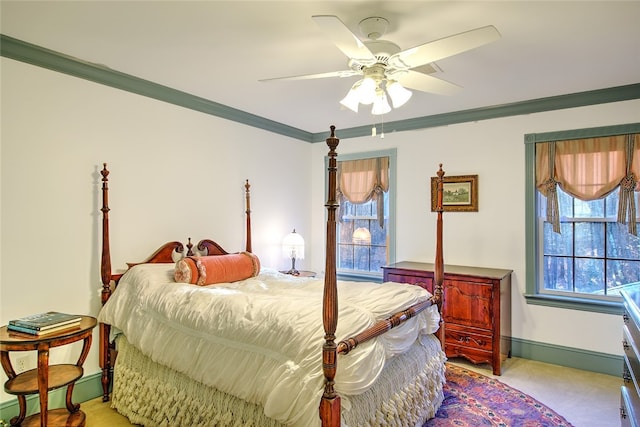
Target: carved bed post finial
{"points": [[247, 194], [189, 247], [330, 403]]}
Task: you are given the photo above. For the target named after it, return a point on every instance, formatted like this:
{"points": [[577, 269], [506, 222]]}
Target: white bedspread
{"points": [[260, 339]]}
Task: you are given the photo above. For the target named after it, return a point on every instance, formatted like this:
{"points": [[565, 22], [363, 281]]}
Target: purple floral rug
{"points": [[472, 399]]}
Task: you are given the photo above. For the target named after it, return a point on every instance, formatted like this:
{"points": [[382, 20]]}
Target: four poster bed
{"points": [[210, 338]]}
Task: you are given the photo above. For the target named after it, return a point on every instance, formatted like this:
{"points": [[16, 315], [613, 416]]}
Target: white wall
{"points": [[175, 174], [495, 235]]}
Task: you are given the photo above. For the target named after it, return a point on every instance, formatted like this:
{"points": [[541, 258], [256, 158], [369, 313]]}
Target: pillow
{"points": [[208, 270]]}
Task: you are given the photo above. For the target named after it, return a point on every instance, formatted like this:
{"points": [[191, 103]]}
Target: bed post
{"points": [[439, 261], [105, 271], [330, 403], [248, 212]]}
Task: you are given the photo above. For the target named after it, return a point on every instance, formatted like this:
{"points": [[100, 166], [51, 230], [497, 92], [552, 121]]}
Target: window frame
{"points": [[391, 153], [532, 245]]}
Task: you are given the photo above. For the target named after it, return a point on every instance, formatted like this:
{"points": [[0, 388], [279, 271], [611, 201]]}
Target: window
{"points": [[594, 256], [365, 222], [362, 242], [582, 240]]}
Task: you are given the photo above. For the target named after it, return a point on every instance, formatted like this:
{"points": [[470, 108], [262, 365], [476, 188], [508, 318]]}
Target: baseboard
{"points": [[570, 357], [90, 386]]}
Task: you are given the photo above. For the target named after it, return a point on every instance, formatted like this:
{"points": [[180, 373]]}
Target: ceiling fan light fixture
{"points": [[367, 91], [380, 104], [352, 100], [398, 94]]}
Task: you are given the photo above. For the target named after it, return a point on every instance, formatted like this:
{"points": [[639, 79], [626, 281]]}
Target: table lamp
{"points": [[293, 248]]}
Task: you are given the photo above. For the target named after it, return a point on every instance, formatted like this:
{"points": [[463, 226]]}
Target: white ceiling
{"points": [[219, 50]]}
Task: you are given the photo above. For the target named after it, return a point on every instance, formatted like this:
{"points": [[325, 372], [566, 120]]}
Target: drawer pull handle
{"points": [[625, 345], [625, 318], [626, 374], [464, 339]]}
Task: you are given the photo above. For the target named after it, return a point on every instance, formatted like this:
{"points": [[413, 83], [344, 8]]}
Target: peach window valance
{"points": [[590, 169], [362, 180]]}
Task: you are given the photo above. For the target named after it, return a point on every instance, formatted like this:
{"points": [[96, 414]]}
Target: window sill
{"points": [[607, 307], [359, 277]]}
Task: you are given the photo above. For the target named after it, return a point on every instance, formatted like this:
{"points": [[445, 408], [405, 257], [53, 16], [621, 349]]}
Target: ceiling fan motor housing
{"points": [[374, 27]]}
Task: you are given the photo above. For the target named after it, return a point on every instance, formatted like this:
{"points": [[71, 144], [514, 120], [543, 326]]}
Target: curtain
{"points": [[362, 180], [590, 169]]}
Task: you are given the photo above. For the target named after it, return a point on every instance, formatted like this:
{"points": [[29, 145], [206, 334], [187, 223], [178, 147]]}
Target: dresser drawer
{"points": [[473, 354], [632, 363], [463, 336], [422, 281], [629, 406], [468, 303]]}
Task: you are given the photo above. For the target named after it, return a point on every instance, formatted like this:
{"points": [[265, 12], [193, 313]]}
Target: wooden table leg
{"points": [[43, 383]]}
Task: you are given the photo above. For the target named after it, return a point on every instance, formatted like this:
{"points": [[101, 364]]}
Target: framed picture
{"points": [[459, 193]]}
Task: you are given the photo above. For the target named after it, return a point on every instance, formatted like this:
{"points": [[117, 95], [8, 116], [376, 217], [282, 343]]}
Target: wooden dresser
{"points": [[476, 308], [630, 390]]}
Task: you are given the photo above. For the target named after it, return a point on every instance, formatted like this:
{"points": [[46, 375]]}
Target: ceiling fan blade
{"points": [[425, 83], [443, 48], [345, 73], [344, 39]]}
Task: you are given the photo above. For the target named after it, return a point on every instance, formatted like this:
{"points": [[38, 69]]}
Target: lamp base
{"points": [[301, 273], [293, 270]]}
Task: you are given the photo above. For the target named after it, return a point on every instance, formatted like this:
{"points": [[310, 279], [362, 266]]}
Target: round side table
{"points": [[45, 378]]}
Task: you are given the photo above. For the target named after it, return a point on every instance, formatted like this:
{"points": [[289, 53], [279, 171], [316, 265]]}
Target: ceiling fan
{"points": [[388, 69]]}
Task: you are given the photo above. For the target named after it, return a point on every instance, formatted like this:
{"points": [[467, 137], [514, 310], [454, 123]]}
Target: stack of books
{"points": [[44, 323]]}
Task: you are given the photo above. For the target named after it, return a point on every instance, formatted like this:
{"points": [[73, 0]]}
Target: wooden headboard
{"points": [[164, 254]]}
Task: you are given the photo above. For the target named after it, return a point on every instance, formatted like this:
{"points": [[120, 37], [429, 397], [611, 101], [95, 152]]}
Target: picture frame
{"points": [[460, 193]]}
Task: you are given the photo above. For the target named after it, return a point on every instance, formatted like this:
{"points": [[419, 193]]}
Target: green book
{"points": [[44, 321]]}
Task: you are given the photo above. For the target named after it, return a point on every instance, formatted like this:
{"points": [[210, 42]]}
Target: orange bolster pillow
{"points": [[207, 270]]}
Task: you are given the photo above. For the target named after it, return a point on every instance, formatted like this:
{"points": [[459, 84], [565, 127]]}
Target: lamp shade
{"points": [[293, 246], [398, 94], [352, 100], [361, 236], [380, 104], [367, 91]]}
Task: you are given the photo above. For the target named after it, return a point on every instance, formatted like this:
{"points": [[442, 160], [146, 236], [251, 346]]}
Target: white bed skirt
{"points": [[408, 392]]}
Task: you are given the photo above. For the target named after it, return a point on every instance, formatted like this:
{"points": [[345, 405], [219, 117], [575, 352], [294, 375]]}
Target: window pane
{"points": [[346, 231], [558, 273], [558, 244], [378, 234], [378, 258], [611, 204], [621, 273], [589, 239], [345, 256], [364, 209], [589, 275], [594, 208], [621, 243], [541, 204], [361, 258], [565, 204], [359, 223]]}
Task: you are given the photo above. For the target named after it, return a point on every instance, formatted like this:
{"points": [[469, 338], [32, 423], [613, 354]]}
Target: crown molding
{"points": [[46, 58], [36, 55]]}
